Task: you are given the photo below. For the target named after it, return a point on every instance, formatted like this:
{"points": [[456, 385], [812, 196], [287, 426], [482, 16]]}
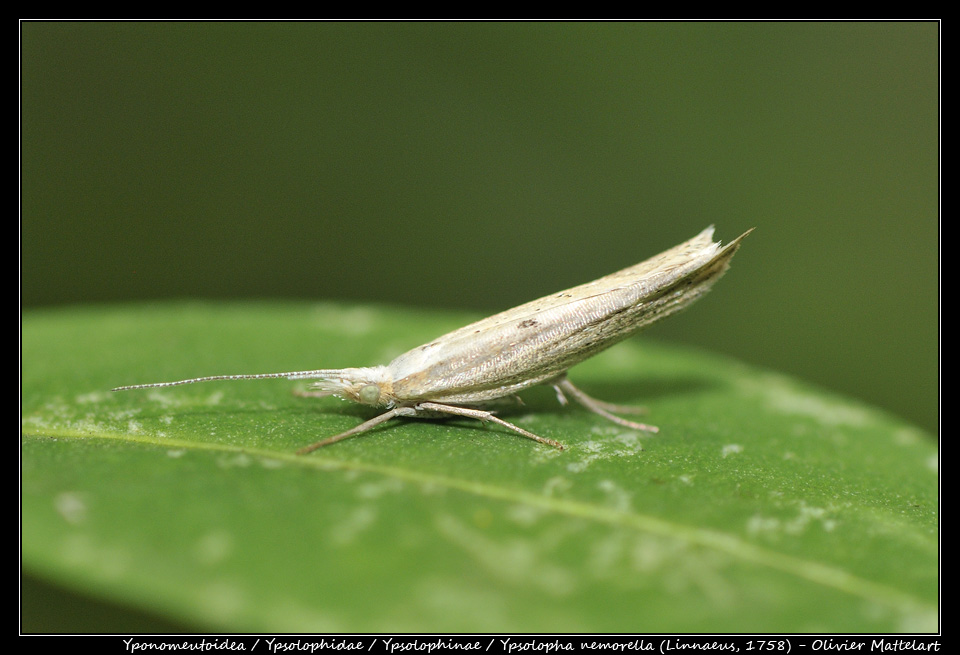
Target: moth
{"points": [[461, 373]]}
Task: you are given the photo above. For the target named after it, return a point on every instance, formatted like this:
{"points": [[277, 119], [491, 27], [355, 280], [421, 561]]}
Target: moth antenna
{"points": [[291, 375]]}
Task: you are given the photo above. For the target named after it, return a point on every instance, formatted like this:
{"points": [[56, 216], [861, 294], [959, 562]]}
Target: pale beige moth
{"points": [[461, 372]]}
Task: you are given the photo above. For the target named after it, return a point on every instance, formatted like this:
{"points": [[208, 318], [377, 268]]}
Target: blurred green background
{"points": [[477, 166]]}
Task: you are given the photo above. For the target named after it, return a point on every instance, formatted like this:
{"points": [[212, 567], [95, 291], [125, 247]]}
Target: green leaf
{"points": [[762, 504]]}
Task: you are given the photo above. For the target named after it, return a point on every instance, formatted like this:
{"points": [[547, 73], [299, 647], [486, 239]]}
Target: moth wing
{"points": [[541, 339], [651, 270]]}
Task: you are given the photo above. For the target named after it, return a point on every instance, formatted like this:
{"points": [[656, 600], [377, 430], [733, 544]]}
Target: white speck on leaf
{"points": [[71, 506], [731, 449]]}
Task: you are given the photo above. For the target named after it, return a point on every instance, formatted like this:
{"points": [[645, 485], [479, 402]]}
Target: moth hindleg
{"points": [[600, 407]]}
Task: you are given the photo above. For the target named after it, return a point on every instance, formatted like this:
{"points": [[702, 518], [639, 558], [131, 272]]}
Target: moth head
{"points": [[367, 386]]}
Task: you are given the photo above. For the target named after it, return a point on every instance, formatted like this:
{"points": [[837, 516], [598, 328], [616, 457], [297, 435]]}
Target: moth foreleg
{"points": [[600, 407], [363, 427], [485, 416]]}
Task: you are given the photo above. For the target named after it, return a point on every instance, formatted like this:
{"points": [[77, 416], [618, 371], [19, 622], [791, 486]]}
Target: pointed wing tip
{"points": [[706, 238], [736, 242], [733, 245]]}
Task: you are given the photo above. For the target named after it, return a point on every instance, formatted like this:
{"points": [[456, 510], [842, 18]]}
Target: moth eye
{"points": [[369, 394]]}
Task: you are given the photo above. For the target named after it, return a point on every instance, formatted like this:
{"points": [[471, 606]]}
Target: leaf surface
{"points": [[762, 505]]}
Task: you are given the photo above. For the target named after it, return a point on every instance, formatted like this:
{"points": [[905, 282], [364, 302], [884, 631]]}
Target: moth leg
{"points": [[610, 407], [600, 407], [618, 409], [560, 397], [363, 427], [485, 416]]}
